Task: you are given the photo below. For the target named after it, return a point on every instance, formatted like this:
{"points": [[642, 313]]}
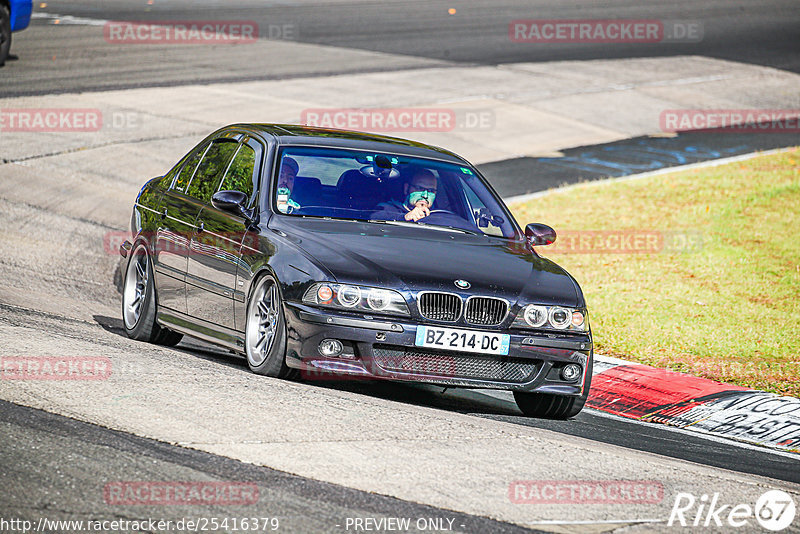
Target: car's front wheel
{"points": [[548, 406], [139, 302], [265, 333]]}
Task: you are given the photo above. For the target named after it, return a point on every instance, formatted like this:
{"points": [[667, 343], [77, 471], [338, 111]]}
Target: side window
{"points": [[240, 173], [188, 169], [209, 172]]}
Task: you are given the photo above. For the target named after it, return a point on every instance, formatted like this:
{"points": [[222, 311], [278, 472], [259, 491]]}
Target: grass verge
{"points": [[696, 271]]}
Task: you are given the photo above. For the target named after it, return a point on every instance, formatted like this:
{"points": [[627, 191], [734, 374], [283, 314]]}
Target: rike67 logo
{"points": [[774, 510]]}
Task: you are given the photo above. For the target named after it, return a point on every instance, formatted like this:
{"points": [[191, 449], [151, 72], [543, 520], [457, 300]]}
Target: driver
{"points": [[419, 194], [289, 170]]}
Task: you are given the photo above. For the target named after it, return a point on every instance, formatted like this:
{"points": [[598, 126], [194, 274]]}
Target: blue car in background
{"points": [[15, 15]]}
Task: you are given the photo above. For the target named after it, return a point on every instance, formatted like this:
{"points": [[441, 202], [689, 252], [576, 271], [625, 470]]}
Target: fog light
{"points": [[330, 348], [571, 372]]}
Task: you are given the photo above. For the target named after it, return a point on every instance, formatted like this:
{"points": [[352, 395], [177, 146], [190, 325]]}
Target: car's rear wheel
{"points": [[548, 406], [265, 333], [139, 302], [5, 34]]}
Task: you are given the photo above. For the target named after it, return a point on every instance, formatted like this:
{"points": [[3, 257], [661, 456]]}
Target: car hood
{"points": [[418, 258]]}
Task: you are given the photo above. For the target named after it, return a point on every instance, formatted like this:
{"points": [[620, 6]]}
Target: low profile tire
{"points": [[139, 302], [265, 333], [548, 406], [5, 34]]}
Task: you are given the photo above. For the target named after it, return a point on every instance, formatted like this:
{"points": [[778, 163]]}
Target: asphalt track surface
{"points": [[595, 425], [82, 458], [416, 33], [519, 176]]}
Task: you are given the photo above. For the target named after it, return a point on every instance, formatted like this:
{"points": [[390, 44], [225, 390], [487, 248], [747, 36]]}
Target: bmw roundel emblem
{"points": [[462, 284]]}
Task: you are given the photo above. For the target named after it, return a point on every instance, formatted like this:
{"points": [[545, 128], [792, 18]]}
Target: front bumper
{"points": [[378, 348]]}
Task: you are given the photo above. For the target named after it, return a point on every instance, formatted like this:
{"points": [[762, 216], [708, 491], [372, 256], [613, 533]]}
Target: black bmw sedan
{"points": [[341, 254]]}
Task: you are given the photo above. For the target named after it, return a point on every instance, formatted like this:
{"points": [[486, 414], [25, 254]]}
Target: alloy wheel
{"points": [[135, 287], [262, 325]]}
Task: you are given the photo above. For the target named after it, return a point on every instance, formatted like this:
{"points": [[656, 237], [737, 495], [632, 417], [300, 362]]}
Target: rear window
{"points": [[187, 171], [210, 170]]}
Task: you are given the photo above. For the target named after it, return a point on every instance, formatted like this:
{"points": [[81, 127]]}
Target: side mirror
{"points": [[485, 218], [539, 234], [231, 201]]}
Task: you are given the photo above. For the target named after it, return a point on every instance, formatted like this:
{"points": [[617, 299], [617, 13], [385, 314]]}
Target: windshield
{"points": [[369, 186]]}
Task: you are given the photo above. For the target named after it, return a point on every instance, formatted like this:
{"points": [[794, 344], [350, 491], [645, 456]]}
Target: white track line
{"points": [[67, 20]]}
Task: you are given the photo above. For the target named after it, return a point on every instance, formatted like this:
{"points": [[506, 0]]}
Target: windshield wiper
{"points": [[441, 228], [457, 229]]}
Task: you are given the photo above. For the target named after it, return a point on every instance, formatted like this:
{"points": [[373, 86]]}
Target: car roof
{"points": [[293, 134]]}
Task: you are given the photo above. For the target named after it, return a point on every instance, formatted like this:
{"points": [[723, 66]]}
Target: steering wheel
{"points": [[443, 212]]}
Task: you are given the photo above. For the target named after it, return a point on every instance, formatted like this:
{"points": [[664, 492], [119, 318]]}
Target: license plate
{"points": [[462, 340]]}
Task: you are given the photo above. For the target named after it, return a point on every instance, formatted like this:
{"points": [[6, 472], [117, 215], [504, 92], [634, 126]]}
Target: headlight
{"points": [[560, 317], [349, 296], [535, 316], [363, 299], [379, 299], [557, 317]]}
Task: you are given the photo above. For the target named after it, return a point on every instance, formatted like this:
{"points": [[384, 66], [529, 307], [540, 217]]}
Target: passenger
{"points": [[418, 197], [289, 170]]}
